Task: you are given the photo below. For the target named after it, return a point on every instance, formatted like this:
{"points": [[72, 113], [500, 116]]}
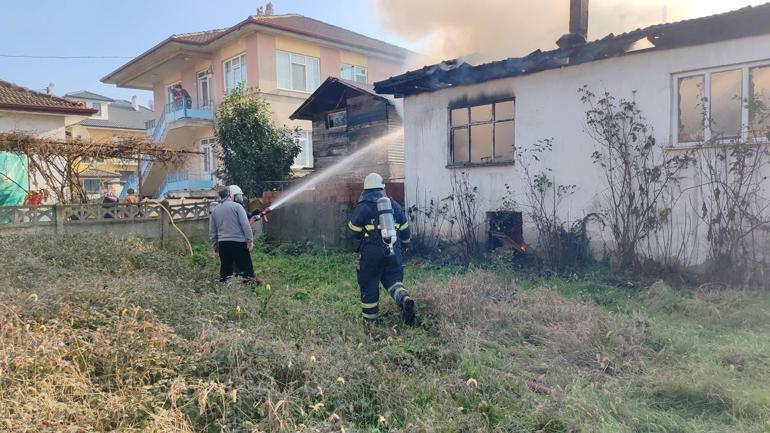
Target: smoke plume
{"points": [[493, 29]]}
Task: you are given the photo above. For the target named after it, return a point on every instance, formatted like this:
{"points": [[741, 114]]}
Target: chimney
{"points": [[269, 8], [578, 25], [49, 89], [135, 102]]}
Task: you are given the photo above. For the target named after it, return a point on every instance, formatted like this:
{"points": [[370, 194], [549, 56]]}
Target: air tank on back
{"points": [[387, 224]]}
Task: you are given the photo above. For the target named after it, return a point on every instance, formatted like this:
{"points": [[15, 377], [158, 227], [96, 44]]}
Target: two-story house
{"points": [[285, 57], [114, 120]]}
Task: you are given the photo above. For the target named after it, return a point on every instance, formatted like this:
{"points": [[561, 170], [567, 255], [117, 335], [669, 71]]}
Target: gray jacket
{"points": [[229, 222]]}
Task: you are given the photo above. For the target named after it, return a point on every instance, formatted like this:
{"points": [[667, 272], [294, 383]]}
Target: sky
{"points": [[126, 28], [130, 27]]}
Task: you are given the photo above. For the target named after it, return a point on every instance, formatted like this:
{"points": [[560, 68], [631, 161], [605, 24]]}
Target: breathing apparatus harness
{"points": [[383, 226]]}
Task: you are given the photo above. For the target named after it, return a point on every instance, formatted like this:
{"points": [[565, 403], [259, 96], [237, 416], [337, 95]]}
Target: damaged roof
{"points": [[745, 22], [332, 94]]}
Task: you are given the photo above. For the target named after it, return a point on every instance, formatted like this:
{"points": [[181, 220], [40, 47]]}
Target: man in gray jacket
{"points": [[232, 238]]}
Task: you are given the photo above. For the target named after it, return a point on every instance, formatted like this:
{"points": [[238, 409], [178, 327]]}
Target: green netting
{"points": [[14, 181]]}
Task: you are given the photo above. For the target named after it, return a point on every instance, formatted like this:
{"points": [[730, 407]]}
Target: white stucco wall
{"points": [[43, 125], [548, 106]]}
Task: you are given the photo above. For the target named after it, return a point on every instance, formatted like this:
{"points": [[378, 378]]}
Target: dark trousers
{"points": [[376, 267], [234, 253]]}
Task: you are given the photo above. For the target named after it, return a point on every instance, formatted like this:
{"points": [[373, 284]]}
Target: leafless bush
{"points": [[636, 171], [734, 209], [428, 217], [465, 215], [558, 245]]}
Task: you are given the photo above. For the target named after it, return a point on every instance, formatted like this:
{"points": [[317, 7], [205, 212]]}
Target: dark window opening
{"points": [[337, 119], [506, 230]]}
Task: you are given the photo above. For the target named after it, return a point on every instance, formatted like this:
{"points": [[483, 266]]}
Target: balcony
{"points": [[178, 114], [185, 183]]}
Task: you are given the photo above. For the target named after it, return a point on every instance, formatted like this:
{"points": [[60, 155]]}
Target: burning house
{"points": [[473, 119]]}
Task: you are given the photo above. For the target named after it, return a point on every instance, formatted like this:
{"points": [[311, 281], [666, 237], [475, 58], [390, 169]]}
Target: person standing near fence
{"points": [[131, 197], [232, 239]]}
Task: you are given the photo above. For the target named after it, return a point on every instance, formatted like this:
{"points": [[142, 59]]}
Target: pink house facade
{"points": [[284, 57]]}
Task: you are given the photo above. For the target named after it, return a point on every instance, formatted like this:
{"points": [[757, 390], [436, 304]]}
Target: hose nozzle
{"points": [[264, 213]]}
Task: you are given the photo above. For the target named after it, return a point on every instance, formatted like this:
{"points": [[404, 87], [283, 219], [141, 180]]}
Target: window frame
{"points": [[307, 88], [450, 129], [201, 77], [706, 73], [208, 155], [98, 183], [353, 69], [308, 163], [241, 67], [328, 119]]}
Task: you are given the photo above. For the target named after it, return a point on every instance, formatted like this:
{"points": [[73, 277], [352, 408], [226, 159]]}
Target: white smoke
{"points": [[496, 29]]}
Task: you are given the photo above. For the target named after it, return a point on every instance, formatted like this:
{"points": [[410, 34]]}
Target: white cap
{"points": [[235, 190]]}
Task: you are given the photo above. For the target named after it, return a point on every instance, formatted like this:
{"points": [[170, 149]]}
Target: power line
{"points": [[25, 56]]}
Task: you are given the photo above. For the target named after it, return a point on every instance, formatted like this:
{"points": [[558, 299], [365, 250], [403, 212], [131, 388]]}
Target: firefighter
{"points": [[380, 255]]}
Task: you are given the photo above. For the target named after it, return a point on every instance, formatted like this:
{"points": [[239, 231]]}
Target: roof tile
{"points": [[21, 98]]}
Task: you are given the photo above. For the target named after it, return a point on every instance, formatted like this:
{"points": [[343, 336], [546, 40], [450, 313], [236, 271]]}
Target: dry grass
{"points": [[104, 336]]}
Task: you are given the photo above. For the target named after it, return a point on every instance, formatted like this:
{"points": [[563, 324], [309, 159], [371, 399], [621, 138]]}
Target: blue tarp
{"points": [[14, 179]]}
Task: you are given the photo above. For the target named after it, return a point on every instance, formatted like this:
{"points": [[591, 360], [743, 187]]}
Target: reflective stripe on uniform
{"points": [[370, 316], [369, 305], [406, 241], [354, 227], [395, 289], [403, 226], [370, 227]]}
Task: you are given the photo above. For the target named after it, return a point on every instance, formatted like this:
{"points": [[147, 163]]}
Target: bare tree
{"points": [[637, 173]]}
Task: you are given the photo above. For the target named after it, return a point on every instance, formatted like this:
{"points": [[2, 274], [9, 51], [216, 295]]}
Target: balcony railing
{"points": [[176, 110], [180, 180]]}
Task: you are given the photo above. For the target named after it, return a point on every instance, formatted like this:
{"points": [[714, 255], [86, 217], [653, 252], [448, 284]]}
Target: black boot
{"points": [[408, 310]]}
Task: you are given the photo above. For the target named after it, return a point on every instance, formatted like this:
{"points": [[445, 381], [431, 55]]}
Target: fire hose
{"points": [[170, 218]]}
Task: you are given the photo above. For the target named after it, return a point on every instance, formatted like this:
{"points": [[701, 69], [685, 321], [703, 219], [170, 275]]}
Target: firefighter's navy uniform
{"points": [[375, 265]]}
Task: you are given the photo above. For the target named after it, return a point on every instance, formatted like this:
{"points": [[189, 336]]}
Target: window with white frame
{"points": [[204, 88], [482, 133], [353, 73], [305, 157], [235, 72], [209, 156], [722, 104], [98, 107], [297, 72]]}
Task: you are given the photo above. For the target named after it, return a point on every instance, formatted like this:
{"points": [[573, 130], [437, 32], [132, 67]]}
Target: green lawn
{"points": [[98, 335]]}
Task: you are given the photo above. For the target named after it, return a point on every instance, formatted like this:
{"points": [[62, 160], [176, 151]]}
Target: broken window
{"points": [[337, 119], [482, 133], [726, 104], [759, 102], [691, 111]]}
